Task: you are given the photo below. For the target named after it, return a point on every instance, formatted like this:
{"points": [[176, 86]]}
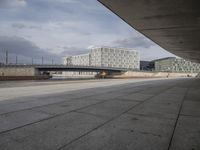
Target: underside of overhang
{"points": [[172, 24]]}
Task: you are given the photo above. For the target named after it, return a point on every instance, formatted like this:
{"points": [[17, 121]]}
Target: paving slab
{"points": [[193, 94], [191, 108], [15, 120], [129, 132], [168, 98], [154, 90], [49, 134], [13, 92], [109, 95], [17, 106], [136, 97], [31, 102], [122, 116], [176, 90], [68, 106], [187, 134], [157, 109], [109, 109]]}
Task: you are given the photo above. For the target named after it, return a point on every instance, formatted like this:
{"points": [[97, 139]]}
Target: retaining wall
{"points": [[18, 71], [137, 74]]}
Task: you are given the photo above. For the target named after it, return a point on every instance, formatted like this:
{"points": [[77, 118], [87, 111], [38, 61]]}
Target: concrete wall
{"points": [[132, 74], [18, 71], [57, 76]]}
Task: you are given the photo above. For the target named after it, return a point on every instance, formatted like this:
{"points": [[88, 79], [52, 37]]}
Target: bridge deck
{"points": [[68, 68]]}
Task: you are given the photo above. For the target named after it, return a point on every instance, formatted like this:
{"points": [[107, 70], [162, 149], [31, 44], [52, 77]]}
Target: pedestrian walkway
{"points": [[154, 115]]}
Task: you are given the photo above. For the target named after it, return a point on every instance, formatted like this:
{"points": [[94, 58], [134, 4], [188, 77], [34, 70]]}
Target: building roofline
{"points": [[120, 48], [164, 58], [82, 54], [77, 55]]}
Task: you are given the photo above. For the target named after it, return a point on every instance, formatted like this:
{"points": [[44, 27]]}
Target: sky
{"points": [[57, 28]]}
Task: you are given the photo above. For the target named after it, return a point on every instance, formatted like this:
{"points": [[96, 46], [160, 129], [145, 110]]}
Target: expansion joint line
{"points": [[53, 116], [177, 118], [113, 118], [34, 107]]}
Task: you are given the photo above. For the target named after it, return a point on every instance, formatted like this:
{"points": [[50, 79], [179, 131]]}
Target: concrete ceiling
{"points": [[172, 24]]}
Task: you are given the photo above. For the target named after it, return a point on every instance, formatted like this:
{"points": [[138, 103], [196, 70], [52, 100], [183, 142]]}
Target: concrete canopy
{"points": [[172, 24]]}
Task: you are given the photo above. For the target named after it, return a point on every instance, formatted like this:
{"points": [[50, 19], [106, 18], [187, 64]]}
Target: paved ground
{"points": [[102, 115]]}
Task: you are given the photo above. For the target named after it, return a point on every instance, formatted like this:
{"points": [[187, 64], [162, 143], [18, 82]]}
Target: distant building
{"points": [[172, 64], [147, 65], [83, 60], [107, 57], [115, 57]]}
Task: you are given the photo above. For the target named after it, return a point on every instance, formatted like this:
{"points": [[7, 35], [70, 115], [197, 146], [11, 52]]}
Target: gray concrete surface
{"points": [[101, 115], [172, 24]]}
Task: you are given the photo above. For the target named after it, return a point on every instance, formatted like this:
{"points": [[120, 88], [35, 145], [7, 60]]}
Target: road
{"points": [[120, 114]]}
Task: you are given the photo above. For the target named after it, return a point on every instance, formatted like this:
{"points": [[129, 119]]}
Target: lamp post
{"points": [[16, 60], [6, 57]]}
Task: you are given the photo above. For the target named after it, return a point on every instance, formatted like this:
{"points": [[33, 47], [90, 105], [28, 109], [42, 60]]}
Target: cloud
{"points": [[146, 48], [18, 25], [25, 50], [70, 51], [24, 26], [6, 4], [134, 42], [56, 28]]}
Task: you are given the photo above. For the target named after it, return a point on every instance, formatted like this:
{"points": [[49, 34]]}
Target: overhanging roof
{"points": [[172, 24]]}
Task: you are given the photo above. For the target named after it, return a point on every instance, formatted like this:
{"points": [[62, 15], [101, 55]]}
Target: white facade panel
{"points": [[115, 57], [176, 65], [79, 60], [107, 57]]}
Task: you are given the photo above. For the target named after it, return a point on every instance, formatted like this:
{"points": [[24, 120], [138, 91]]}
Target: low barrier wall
{"points": [[6, 78], [18, 71], [137, 74]]}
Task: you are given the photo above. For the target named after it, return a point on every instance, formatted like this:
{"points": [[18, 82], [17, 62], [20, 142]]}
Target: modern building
{"points": [[147, 65], [83, 60], [115, 57], [107, 57], [172, 64]]}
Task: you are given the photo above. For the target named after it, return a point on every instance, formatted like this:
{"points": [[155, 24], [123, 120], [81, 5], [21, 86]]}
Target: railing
{"points": [[8, 58]]}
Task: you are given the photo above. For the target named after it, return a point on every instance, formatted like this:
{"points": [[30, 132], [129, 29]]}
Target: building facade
{"points": [[107, 57], [147, 65], [172, 64], [83, 60], [115, 57]]}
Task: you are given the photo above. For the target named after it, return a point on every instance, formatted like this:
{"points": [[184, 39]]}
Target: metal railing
{"points": [[8, 58]]}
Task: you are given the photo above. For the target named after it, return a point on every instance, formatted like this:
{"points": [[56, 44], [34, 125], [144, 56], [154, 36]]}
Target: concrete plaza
{"points": [[128, 114]]}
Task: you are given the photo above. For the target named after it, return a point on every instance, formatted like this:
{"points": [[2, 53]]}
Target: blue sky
{"points": [[55, 28]]}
